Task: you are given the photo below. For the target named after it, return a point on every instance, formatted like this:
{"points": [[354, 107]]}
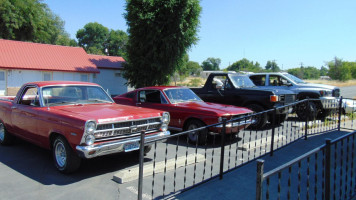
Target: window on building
{"points": [[2, 76], [47, 76]]}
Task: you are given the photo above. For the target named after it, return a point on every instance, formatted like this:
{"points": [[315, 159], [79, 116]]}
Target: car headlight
{"points": [[165, 118], [89, 139], [90, 127]]}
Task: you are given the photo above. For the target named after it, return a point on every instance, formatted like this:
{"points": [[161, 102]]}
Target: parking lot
{"points": [[27, 171]]}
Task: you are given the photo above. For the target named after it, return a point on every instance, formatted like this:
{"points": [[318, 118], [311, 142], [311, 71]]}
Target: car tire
{"points": [[6, 138], [261, 119], [65, 159], [307, 111], [197, 137]]}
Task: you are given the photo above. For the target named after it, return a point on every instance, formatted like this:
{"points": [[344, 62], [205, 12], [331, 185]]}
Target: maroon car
{"points": [[187, 110]]}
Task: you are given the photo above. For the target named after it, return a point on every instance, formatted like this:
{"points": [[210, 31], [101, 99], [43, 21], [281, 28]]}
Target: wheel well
{"points": [[252, 102], [52, 136], [189, 120]]}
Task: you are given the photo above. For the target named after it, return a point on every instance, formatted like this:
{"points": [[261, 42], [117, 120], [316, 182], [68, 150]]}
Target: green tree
{"points": [[116, 43], [339, 70], [31, 20], [245, 65], [194, 68], [305, 72], [93, 38], [211, 64], [160, 33], [323, 71], [272, 66]]}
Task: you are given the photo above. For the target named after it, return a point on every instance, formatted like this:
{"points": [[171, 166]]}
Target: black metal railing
{"points": [[176, 163], [327, 172]]}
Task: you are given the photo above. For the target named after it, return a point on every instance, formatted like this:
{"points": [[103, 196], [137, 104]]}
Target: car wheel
{"points": [[306, 111], [199, 137], [64, 157], [261, 119], [6, 138]]}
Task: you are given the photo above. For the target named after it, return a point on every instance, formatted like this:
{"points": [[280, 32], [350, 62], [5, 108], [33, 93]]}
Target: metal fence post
{"points": [[273, 130], [340, 113], [140, 174], [307, 120], [259, 181], [222, 154], [328, 169]]}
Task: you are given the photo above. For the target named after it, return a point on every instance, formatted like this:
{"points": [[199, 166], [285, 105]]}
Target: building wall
{"points": [[16, 78], [111, 80]]}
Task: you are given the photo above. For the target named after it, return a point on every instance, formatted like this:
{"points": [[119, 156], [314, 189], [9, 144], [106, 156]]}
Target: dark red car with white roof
{"points": [[76, 120], [187, 110]]}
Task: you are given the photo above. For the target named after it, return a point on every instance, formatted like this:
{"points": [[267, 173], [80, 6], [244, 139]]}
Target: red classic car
{"points": [[76, 120], [187, 110]]}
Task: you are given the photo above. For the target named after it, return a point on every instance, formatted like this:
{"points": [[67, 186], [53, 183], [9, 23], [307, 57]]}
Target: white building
{"points": [[22, 62]]}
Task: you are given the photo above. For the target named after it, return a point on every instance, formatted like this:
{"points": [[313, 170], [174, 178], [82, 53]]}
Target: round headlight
{"points": [[165, 118], [90, 127], [164, 127], [89, 139]]}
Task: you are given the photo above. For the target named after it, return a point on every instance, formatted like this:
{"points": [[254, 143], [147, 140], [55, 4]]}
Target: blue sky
{"points": [[290, 32]]}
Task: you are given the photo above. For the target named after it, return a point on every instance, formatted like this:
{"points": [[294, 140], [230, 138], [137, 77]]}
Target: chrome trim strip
{"points": [[114, 146], [236, 124]]}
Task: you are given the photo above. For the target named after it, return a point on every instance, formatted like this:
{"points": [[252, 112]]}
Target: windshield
{"points": [[295, 79], [179, 95], [74, 94], [241, 81]]}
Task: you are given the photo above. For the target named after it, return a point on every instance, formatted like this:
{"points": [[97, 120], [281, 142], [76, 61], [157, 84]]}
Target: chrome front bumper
{"points": [[111, 147], [330, 102]]}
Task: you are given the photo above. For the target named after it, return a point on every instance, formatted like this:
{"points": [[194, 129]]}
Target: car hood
{"points": [[219, 109], [106, 113], [313, 85]]}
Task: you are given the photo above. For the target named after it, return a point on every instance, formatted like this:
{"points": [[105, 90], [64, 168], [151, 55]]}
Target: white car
{"points": [[349, 105]]}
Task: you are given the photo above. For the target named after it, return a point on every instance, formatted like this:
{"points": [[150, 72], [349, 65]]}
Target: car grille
{"points": [[287, 98], [126, 129]]}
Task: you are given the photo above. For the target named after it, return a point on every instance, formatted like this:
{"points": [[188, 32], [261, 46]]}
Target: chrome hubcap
{"points": [[2, 132], [60, 154], [193, 136]]}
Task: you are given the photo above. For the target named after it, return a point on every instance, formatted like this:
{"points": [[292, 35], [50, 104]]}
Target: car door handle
{"points": [[13, 107]]}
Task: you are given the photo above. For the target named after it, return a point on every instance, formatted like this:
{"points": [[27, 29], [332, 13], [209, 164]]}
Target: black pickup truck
{"points": [[239, 90]]}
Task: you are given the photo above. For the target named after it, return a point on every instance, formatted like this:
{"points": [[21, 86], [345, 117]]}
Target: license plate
{"points": [[132, 146]]}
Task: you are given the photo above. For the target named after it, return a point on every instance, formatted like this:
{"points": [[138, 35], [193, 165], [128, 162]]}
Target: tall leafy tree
{"points": [[272, 66], [160, 33], [211, 64], [98, 39], [245, 65], [339, 70], [93, 37], [116, 43], [31, 20]]}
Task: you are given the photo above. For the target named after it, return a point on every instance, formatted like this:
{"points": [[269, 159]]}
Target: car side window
{"points": [[274, 80], [30, 97], [151, 96], [258, 80]]}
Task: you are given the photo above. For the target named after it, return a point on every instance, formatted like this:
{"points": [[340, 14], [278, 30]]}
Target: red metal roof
{"points": [[35, 56], [109, 62], [53, 83]]}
